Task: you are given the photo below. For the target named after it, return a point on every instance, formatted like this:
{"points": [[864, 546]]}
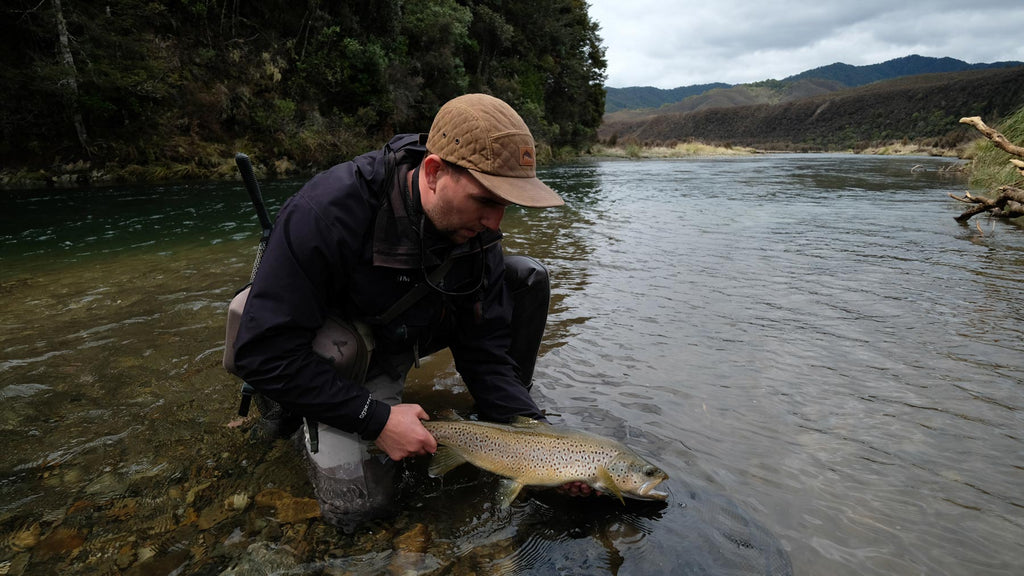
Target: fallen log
{"points": [[1008, 204]]}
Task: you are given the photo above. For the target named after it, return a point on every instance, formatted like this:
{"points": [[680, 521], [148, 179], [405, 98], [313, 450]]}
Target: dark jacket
{"points": [[350, 243]]}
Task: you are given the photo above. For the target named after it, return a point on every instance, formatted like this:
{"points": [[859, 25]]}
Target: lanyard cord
{"points": [[437, 283], [436, 279]]}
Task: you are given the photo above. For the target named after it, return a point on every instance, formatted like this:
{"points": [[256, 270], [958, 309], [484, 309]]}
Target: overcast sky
{"points": [[669, 43]]}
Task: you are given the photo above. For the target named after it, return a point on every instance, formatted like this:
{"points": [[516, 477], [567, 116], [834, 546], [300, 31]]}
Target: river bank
{"points": [[222, 168], [699, 150]]}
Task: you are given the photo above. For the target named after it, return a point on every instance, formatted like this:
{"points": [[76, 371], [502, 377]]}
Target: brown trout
{"points": [[532, 453]]}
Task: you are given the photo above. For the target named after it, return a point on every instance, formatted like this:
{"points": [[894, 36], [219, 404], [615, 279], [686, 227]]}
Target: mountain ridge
{"points": [[823, 79], [923, 108]]}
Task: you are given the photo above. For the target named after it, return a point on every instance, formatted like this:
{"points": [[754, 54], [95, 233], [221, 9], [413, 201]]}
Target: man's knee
{"points": [[522, 272], [529, 284]]}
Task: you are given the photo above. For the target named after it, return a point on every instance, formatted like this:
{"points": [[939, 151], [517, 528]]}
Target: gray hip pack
{"points": [[347, 344]]}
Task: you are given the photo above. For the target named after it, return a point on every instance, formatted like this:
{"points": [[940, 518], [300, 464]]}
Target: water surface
{"points": [[826, 364]]}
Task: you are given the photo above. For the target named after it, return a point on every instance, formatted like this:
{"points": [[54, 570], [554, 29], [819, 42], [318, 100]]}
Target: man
{"points": [[398, 250]]}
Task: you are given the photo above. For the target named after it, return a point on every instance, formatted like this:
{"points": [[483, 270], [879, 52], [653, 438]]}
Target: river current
{"points": [[826, 364]]}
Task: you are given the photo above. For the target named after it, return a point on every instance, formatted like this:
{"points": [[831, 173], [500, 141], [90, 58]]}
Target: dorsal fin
{"points": [[448, 415], [525, 422]]}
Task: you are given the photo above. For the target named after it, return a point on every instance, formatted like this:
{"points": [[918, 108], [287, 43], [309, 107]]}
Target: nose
{"points": [[492, 216]]}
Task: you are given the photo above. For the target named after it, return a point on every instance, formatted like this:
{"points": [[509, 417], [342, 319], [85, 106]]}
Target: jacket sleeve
{"points": [[317, 238], [480, 349]]}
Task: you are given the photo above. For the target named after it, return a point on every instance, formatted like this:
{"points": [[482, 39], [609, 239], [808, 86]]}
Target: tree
{"points": [[70, 82], [437, 36], [546, 59]]}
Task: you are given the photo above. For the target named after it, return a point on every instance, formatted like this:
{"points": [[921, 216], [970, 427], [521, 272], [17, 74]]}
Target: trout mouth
{"points": [[647, 491]]}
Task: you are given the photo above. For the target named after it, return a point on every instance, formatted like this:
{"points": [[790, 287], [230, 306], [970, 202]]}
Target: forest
{"points": [[146, 89]]}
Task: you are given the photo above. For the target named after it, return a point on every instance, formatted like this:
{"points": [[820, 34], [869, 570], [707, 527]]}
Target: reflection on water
{"points": [[810, 346]]}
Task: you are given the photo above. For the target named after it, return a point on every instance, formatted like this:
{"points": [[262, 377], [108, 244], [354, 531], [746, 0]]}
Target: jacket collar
{"points": [[402, 236]]}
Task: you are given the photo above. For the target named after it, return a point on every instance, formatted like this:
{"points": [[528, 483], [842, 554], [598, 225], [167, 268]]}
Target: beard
{"points": [[448, 223]]}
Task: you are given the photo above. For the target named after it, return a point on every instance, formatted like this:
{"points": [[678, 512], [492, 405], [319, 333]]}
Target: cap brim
{"points": [[529, 192]]}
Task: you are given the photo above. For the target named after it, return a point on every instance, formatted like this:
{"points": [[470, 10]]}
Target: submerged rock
{"points": [[263, 559], [288, 509], [25, 538]]}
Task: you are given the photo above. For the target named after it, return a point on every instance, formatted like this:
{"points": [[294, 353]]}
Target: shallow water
{"points": [[825, 363]]}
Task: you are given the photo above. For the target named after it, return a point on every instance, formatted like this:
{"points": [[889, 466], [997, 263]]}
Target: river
{"points": [[827, 365]]}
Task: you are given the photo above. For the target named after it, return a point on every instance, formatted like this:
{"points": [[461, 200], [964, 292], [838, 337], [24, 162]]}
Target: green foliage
{"points": [[770, 84], [437, 33], [347, 73], [175, 82]]}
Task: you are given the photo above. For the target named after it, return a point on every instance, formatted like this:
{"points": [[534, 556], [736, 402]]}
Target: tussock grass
{"points": [[990, 166], [680, 150]]}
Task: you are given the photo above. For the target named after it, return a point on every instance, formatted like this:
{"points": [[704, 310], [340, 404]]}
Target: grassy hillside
{"points": [[924, 108]]}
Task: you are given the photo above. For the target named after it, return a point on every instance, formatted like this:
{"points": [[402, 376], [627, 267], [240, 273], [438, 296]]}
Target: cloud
{"points": [[669, 44]]}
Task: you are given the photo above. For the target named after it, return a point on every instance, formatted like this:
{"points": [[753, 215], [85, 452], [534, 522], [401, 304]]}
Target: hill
{"points": [[852, 76], [767, 92], [920, 108], [650, 97], [647, 101]]}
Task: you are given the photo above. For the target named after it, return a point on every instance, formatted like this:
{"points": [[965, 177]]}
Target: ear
{"points": [[431, 169]]}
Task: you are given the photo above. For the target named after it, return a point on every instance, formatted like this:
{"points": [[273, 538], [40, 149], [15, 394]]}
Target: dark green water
{"points": [[826, 364]]}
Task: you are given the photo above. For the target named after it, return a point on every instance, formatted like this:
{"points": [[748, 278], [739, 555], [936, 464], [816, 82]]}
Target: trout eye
{"points": [[650, 471]]}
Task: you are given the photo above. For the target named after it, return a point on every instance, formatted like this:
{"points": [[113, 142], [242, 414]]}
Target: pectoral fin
{"points": [[444, 460], [508, 490], [608, 483]]}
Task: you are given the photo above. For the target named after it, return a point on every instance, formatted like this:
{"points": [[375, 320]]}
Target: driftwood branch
{"points": [[1009, 203], [1019, 164], [998, 139]]}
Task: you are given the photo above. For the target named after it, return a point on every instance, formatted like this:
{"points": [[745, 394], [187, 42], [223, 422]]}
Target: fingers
{"points": [[404, 434], [422, 414], [429, 442], [422, 441], [579, 489]]}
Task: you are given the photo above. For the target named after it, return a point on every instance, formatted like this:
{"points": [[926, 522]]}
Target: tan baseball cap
{"points": [[485, 135]]}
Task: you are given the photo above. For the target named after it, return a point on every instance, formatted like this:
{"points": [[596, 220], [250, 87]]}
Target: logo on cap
{"points": [[526, 156]]}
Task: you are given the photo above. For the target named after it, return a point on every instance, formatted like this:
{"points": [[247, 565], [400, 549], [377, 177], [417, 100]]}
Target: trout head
{"points": [[630, 476]]}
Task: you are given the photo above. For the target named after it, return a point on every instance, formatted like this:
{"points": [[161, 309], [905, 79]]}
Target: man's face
{"points": [[459, 206]]}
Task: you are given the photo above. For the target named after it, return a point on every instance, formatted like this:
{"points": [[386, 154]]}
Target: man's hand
{"points": [[404, 434]]}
